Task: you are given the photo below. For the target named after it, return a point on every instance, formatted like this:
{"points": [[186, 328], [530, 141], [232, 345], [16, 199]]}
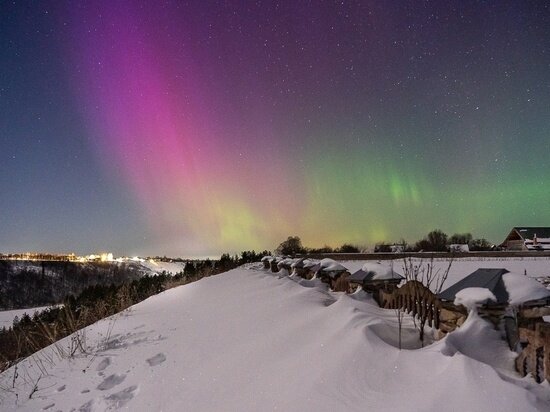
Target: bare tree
{"points": [[426, 283]]}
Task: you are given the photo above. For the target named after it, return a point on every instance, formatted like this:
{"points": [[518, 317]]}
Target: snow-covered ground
{"points": [[250, 340], [158, 267], [7, 316]]}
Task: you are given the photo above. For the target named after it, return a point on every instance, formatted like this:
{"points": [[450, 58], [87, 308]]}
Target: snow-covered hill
{"points": [[157, 267], [249, 340], [26, 284]]}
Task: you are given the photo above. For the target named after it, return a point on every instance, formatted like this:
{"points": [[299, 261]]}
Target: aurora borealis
{"points": [[194, 128]]}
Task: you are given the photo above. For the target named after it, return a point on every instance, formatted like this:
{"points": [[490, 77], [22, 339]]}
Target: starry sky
{"points": [[191, 128]]}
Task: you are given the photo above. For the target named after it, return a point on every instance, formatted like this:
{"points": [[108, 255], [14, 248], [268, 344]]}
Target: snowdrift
{"points": [[250, 340]]}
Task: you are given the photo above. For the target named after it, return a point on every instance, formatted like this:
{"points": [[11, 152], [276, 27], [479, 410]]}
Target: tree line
{"points": [[293, 246], [437, 241]]}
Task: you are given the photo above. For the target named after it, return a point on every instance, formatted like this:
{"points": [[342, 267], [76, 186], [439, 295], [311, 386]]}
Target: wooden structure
{"points": [[273, 264], [266, 261], [286, 264], [371, 282], [440, 310], [330, 272], [528, 239], [414, 298], [490, 279], [305, 268], [339, 281]]}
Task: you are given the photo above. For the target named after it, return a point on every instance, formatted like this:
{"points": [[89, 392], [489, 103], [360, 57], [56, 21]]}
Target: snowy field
{"points": [[250, 340], [535, 267], [7, 316]]}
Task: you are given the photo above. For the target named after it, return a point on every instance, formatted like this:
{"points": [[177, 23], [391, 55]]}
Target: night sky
{"points": [[190, 128]]}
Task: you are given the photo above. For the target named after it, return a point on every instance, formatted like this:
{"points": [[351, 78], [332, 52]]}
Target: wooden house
{"points": [[527, 238]]}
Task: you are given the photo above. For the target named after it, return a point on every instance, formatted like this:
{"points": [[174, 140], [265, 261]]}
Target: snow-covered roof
{"points": [[303, 263], [507, 288], [374, 271], [522, 289], [482, 278], [285, 261], [329, 265]]}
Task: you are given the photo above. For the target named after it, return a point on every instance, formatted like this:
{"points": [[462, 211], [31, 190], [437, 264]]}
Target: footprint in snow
{"points": [[61, 388], [51, 405], [157, 359], [110, 382], [122, 397], [103, 364], [87, 407]]}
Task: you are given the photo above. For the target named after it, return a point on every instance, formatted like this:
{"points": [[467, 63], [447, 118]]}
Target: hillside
{"points": [[27, 284], [250, 340]]}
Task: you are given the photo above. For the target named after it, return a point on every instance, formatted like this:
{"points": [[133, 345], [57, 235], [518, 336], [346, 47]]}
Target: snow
{"points": [[479, 340], [521, 288], [158, 267], [287, 261], [458, 247], [329, 265], [7, 316], [381, 272], [250, 340], [471, 298]]}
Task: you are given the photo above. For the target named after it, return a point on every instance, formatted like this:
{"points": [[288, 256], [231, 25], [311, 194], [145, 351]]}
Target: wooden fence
{"points": [[414, 298]]}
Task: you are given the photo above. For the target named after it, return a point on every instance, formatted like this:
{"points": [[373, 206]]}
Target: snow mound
{"points": [[471, 298], [522, 288], [478, 339]]}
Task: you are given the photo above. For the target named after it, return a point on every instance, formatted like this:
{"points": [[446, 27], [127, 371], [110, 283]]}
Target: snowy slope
{"points": [[249, 340]]}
